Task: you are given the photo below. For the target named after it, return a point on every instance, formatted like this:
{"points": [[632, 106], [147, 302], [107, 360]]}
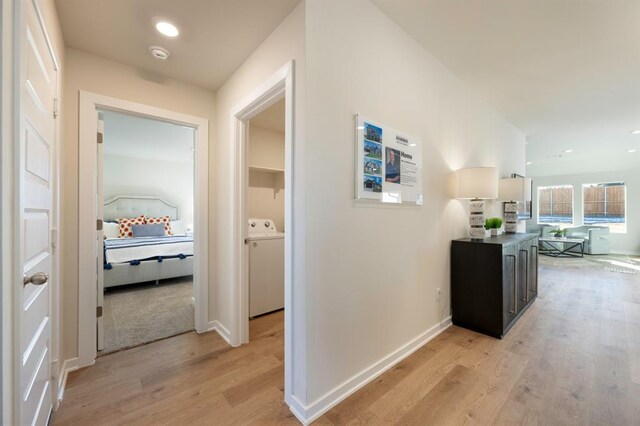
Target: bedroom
{"points": [[146, 194]]}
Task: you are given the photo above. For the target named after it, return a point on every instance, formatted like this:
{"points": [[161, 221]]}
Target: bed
{"points": [[137, 260]]}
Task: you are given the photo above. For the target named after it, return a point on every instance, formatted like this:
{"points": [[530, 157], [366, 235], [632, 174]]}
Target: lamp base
{"points": [[477, 234], [511, 217]]}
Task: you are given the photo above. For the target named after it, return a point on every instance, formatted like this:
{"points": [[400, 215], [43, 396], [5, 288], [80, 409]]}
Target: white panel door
{"points": [[38, 79]]}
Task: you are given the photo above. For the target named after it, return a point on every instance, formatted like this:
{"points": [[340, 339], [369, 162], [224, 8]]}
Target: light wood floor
{"points": [[573, 358]]}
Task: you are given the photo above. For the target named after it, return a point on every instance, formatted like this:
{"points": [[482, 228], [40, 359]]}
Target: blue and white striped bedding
{"points": [[133, 250]]}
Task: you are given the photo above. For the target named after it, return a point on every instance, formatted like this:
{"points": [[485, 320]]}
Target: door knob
{"points": [[38, 278]]}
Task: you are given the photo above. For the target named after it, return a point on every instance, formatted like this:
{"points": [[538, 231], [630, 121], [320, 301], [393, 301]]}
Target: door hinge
{"points": [[100, 137], [54, 237], [99, 225], [55, 107], [99, 312], [54, 369]]}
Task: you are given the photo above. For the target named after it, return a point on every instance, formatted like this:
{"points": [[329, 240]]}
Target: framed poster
{"points": [[388, 164]]}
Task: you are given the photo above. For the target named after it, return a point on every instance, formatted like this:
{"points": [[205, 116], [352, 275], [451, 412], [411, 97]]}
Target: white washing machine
{"points": [[266, 267]]}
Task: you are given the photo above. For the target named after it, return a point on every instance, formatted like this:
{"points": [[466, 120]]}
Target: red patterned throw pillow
{"points": [[125, 229], [166, 220]]}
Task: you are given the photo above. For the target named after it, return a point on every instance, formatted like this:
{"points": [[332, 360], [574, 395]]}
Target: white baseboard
{"points": [[311, 412], [221, 330], [297, 409], [68, 366]]}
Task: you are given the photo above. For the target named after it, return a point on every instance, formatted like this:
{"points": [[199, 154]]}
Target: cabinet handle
{"points": [[526, 275], [536, 253], [513, 310]]}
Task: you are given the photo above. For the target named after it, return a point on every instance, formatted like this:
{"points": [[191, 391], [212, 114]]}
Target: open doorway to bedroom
{"points": [[90, 223], [145, 186]]}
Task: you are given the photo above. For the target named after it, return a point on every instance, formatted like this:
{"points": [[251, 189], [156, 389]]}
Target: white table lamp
{"points": [[477, 184], [515, 189]]}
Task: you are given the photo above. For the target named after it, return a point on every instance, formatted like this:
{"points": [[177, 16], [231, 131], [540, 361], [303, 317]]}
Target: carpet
{"points": [[142, 313]]}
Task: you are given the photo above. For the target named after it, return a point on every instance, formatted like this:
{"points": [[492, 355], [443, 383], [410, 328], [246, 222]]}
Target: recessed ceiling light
{"points": [[635, 132], [568, 151], [528, 163], [631, 151], [167, 29], [159, 53]]}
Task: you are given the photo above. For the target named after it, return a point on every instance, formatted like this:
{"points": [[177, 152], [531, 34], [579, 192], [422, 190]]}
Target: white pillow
{"points": [[110, 230], [178, 227]]}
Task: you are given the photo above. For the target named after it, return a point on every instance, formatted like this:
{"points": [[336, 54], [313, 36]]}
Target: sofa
{"points": [[596, 238]]}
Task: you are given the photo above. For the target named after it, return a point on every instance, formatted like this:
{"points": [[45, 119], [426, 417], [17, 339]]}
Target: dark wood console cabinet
{"points": [[493, 281]]}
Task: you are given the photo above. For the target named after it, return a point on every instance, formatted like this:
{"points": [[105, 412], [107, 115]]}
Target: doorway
{"points": [[145, 200], [279, 86], [265, 210], [92, 206]]}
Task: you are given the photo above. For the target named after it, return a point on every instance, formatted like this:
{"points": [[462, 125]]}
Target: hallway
{"points": [[572, 359]]}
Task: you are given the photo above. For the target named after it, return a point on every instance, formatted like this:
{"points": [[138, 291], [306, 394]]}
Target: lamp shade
{"points": [[515, 189], [478, 182]]}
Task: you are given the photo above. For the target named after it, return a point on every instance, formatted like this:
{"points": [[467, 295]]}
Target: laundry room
{"points": [[265, 207]]}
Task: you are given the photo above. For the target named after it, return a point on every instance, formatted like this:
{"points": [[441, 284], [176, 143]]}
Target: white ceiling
{"points": [[271, 118], [216, 36], [565, 72], [139, 137]]}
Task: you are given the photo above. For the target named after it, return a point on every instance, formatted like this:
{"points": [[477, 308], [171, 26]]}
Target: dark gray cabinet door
{"points": [[533, 269], [509, 280], [522, 287]]}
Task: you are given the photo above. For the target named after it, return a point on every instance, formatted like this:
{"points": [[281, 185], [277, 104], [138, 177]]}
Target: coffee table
{"points": [[561, 247]]}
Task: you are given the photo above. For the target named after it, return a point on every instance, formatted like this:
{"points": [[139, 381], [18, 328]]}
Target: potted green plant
{"points": [[559, 233], [494, 224]]}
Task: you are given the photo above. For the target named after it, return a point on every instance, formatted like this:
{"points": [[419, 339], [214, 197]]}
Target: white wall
{"points": [[91, 73], [266, 148], [265, 197], [627, 243], [286, 43], [371, 270], [170, 181]]}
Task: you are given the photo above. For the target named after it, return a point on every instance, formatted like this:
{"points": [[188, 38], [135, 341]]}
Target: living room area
{"points": [[587, 214], [585, 205]]}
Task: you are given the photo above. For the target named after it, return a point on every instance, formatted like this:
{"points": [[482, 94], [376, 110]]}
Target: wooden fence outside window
{"points": [[604, 201], [556, 201], [602, 204]]}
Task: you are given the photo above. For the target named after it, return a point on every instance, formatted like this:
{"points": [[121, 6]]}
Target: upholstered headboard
{"points": [[133, 206]]}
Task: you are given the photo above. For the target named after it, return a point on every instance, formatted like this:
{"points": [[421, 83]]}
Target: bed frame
{"points": [[148, 270]]}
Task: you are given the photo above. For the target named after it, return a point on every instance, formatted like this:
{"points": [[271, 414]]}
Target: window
{"points": [[605, 204], [555, 204]]}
